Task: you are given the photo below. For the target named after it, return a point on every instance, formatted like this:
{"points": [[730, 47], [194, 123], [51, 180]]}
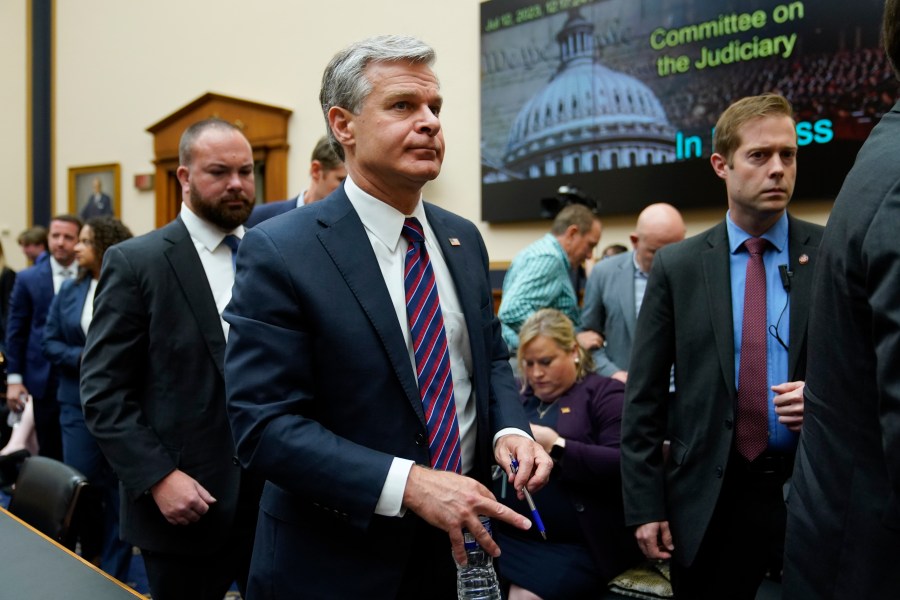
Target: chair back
{"points": [[46, 495]]}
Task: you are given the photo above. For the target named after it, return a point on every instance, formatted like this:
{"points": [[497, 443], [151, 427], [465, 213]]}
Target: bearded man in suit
{"points": [[152, 386]]}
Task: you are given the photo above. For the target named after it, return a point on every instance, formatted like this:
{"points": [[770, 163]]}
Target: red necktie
{"points": [[752, 428], [426, 327]]}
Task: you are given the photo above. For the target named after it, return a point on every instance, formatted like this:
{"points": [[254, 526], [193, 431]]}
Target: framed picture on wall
{"points": [[95, 191]]}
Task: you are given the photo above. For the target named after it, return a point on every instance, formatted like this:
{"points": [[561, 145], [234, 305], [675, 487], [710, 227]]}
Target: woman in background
{"points": [[575, 415], [64, 337]]}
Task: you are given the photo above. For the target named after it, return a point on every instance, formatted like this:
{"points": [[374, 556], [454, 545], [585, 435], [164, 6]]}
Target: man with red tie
{"points": [[369, 384], [729, 309]]}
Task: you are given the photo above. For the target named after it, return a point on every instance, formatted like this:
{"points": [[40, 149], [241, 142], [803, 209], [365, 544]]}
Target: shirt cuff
{"points": [[13, 378], [510, 431], [390, 503]]}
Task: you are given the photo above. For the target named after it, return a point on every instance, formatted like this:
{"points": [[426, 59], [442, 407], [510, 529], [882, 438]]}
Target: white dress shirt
{"points": [[215, 257], [384, 225]]}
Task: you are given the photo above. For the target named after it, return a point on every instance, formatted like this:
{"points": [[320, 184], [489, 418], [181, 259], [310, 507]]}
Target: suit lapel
{"points": [[185, 263], [345, 240], [77, 307], [463, 270], [625, 286], [717, 278], [801, 288]]}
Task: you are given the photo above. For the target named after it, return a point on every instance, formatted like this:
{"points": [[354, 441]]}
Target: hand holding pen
{"points": [[535, 515]]}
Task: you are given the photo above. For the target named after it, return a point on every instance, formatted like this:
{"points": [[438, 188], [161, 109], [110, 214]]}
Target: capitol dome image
{"points": [[587, 118]]}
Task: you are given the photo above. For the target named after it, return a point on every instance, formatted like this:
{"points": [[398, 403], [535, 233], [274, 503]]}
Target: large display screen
{"points": [[619, 98]]}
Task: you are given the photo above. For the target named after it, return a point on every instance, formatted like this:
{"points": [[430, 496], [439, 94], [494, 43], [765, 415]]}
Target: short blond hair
{"points": [[727, 139], [554, 325]]}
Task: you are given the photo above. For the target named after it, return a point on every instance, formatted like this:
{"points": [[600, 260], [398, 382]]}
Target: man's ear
{"points": [[719, 165], [184, 177], [315, 170], [634, 240], [341, 122]]}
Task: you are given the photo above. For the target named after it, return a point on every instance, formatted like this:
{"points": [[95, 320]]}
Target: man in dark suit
{"points": [[843, 534], [323, 382], [28, 371], [151, 378], [326, 172], [717, 307], [98, 203], [615, 288]]}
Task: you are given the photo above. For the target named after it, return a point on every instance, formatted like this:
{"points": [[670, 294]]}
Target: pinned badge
{"points": [[804, 258], [454, 241], [565, 410]]}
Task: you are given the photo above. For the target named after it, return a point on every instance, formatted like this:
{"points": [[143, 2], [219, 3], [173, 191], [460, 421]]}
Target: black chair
{"points": [[46, 495]]}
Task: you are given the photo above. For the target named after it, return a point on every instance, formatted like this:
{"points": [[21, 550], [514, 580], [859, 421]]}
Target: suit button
{"points": [[579, 507], [235, 460], [728, 423], [421, 440], [719, 472]]}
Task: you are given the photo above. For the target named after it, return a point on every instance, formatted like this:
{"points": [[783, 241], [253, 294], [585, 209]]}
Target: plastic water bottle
{"points": [[477, 580]]}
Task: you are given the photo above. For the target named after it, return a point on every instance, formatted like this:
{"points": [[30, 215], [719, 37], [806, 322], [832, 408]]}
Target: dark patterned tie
{"points": [[232, 241], [753, 388], [426, 327]]}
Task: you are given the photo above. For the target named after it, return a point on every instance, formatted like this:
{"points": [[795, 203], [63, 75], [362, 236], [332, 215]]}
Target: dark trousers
{"points": [[209, 576], [745, 531], [46, 423]]}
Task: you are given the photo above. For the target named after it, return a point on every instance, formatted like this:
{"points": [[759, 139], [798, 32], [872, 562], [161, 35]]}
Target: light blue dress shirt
{"points": [[778, 309]]}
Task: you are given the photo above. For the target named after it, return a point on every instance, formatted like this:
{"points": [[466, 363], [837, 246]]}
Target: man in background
{"points": [[615, 288], [540, 275], [29, 374], [326, 173], [373, 392], [843, 535], [98, 203], [33, 242], [151, 379], [717, 307]]}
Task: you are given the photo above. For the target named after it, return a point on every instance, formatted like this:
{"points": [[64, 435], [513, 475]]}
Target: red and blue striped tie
{"points": [[426, 326]]}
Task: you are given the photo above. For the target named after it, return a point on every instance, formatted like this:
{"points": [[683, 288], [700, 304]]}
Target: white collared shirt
{"points": [[383, 225], [215, 257], [61, 273]]}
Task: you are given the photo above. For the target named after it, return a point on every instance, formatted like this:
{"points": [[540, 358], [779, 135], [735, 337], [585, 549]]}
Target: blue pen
{"points": [[534, 513]]}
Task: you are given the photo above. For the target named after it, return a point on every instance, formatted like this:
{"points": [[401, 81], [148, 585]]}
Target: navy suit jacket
{"points": [[64, 338], [28, 306], [322, 394], [268, 210]]}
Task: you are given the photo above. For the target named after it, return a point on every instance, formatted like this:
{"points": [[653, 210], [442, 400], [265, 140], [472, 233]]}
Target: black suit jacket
{"points": [[686, 319], [843, 538], [322, 394], [152, 386]]}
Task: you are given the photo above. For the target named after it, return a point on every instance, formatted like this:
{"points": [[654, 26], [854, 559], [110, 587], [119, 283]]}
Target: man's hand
{"points": [[789, 404], [452, 502], [534, 462], [589, 340], [180, 498], [655, 540], [15, 391], [620, 376]]}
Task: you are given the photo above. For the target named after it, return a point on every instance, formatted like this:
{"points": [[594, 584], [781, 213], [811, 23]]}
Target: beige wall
{"points": [[13, 147], [122, 66]]}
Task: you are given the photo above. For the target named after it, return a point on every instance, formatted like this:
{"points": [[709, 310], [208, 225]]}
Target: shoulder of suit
{"points": [[813, 230]]}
